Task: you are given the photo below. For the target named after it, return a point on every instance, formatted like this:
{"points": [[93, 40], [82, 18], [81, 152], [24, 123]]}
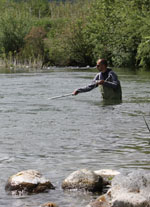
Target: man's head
{"points": [[101, 65]]}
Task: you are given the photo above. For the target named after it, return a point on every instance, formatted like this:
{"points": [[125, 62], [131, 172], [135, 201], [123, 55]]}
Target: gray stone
{"points": [[130, 190], [83, 179]]}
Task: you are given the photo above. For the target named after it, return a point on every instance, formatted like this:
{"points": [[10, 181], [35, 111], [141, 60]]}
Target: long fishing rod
{"points": [[61, 96], [69, 94]]}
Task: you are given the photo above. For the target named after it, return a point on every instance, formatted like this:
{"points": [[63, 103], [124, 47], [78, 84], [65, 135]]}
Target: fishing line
{"points": [[144, 120], [146, 123]]}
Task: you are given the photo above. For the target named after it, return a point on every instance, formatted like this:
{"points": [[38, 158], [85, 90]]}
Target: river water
{"points": [[57, 137]]}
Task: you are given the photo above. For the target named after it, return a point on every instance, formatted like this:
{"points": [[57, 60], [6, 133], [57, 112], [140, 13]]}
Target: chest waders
{"points": [[111, 93]]}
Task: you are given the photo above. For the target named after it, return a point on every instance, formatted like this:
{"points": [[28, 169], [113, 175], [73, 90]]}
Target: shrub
{"points": [[34, 44], [143, 53], [13, 31]]}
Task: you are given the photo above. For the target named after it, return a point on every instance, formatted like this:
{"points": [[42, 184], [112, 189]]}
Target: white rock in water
{"points": [[30, 181], [107, 175], [107, 172]]}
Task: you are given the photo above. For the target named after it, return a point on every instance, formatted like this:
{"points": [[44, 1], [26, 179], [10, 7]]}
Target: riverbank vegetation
{"points": [[75, 33]]}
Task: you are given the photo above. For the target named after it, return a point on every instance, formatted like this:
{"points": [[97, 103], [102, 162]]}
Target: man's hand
{"points": [[75, 92], [100, 82]]}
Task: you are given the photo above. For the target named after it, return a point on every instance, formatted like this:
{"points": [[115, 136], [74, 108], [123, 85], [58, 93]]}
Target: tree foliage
{"points": [[13, 31], [34, 43], [77, 32]]}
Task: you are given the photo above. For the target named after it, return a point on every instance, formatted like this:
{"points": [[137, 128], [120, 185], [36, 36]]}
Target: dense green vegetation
{"points": [[64, 33]]}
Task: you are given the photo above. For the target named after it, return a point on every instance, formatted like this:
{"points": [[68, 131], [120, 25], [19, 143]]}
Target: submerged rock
{"points": [[101, 201], [29, 181], [83, 179], [132, 190], [49, 204]]}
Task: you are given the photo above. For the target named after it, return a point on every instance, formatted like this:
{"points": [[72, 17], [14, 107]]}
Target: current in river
{"points": [[58, 137]]}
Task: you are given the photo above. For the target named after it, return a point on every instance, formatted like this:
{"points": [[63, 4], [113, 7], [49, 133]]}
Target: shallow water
{"points": [[60, 136]]}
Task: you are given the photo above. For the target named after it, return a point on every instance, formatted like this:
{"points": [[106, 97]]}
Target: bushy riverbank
{"points": [[75, 33]]}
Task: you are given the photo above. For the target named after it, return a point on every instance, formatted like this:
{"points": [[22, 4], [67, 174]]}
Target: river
{"points": [[57, 137]]}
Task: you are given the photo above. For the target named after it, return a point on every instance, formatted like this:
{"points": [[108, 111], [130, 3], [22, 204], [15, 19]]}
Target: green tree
{"points": [[78, 46], [143, 54], [101, 27], [13, 31], [39, 8]]}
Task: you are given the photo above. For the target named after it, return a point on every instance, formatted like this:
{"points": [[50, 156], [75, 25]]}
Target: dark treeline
{"points": [[65, 33]]}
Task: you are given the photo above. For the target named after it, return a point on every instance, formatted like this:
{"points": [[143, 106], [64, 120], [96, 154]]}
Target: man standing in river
{"points": [[107, 80]]}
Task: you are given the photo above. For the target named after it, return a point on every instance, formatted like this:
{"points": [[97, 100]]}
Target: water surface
{"points": [[60, 136]]}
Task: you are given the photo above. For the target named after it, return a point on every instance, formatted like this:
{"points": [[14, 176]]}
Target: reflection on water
{"points": [[60, 136]]}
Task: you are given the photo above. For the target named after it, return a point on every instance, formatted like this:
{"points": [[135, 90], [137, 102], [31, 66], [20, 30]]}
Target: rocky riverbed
{"points": [[123, 190]]}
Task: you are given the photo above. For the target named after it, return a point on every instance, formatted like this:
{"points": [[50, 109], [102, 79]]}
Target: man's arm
{"points": [[88, 88]]}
